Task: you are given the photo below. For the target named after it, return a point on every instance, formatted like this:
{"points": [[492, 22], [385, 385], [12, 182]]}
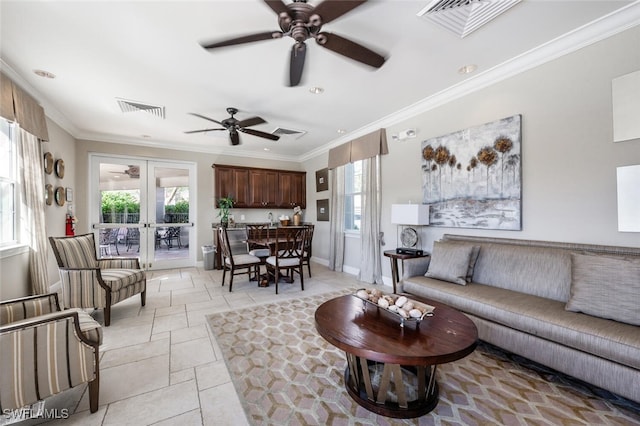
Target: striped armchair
{"points": [[89, 282], [44, 351]]}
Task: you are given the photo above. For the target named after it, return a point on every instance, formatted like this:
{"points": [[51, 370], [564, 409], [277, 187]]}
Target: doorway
{"points": [[144, 208]]}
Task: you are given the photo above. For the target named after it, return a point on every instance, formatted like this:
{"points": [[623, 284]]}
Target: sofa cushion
{"points": [[450, 262], [539, 271], [606, 287], [537, 316]]}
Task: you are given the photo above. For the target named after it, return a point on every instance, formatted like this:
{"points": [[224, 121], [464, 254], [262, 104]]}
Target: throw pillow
{"points": [[450, 262], [606, 287]]}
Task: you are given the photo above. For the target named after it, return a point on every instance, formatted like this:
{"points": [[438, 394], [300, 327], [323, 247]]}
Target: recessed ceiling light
{"points": [[146, 136], [43, 73], [467, 69], [267, 149], [342, 131], [316, 90]]}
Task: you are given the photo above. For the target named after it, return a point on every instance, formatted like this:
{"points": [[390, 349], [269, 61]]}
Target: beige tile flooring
{"points": [[159, 363]]}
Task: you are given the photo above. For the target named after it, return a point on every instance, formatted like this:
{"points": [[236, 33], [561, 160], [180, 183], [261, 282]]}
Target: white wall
{"points": [[569, 158]]}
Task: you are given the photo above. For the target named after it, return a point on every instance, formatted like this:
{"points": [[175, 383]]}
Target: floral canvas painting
{"points": [[472, 178]]}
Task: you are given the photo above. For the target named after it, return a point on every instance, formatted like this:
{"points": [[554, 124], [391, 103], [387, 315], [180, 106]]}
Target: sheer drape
{"points": [[32, 209], [370, 261], [336, 225]]}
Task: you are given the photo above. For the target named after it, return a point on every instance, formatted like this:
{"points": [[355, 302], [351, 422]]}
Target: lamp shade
{"points": [[410, 214]]}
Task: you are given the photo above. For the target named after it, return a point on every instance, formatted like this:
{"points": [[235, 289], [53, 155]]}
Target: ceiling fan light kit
{"points": [[302, 21]]}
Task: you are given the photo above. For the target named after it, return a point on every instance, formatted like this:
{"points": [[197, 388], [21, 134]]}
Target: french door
{"points": [[144, 208]]}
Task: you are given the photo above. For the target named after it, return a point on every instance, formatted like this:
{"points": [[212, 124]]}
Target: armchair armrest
{"points": [[83, 288], [119, 263], [28, 307], [65, 358]]}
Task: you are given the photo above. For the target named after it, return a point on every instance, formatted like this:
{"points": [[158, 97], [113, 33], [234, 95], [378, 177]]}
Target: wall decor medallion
{"points": [[59, 167], [60, 196], [472, 178], [48, 163], [48, 194]]}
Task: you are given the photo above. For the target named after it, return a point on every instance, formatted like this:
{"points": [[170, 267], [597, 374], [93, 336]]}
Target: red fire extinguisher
{"points": [[70, 226]]}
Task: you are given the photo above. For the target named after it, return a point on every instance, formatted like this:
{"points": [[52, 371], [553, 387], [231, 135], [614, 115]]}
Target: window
{"points": [[8, 185], [352, 196]]}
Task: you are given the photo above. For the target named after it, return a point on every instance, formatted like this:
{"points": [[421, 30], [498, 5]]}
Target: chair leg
{"points": [[143, 297], [94, 393], [301, 277], [107, 315], [309, 266], [230, 280], [224, 273], [276, 277]]}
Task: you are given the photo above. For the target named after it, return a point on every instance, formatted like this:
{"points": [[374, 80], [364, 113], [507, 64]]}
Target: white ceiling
{"points": [[149, 51]]}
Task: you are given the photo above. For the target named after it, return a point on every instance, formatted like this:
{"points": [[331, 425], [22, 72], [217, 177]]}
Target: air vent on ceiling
{"points": [[462, 17], [281, 131], [133, 106]]}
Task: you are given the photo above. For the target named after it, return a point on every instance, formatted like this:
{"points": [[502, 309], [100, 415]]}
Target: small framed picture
{"points": [[68, 194], [322, 180], [322, 207]]}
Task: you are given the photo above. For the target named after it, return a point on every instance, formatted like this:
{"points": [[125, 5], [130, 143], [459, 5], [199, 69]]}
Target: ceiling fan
{"points": [[131, 171], [302, 21], [233, 125]]}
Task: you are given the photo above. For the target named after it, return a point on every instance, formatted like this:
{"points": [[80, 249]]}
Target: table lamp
{"points": [[407, 216]]}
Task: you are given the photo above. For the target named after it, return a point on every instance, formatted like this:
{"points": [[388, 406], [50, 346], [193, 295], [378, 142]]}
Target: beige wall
{"points": [[569, 158]]}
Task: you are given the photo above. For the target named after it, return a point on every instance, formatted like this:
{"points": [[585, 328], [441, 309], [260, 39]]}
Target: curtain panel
{"points": [[17, 105], [370, 260], [32, 209], [336, 225]]}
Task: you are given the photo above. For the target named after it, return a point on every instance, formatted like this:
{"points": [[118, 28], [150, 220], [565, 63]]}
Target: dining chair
{"points": [[259, 239], [236, 262], [45, 350], [89, 282], [289, 253], [306, 257]]}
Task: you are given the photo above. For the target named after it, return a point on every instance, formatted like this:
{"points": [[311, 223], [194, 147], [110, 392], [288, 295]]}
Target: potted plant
{"points": [[224, 204]]}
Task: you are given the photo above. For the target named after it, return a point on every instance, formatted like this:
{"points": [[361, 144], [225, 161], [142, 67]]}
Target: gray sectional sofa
{"points": [[572, 307]]}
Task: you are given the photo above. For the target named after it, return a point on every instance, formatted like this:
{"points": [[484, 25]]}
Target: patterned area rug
{"points": [[286, 374]]}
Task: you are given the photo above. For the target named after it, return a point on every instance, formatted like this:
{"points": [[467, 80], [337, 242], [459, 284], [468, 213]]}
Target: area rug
{"points": [[286, 374]]}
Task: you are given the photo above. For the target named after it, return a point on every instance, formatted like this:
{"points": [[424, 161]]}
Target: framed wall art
{"points": [[472, 178], [322, 207], [48, 163], [322, 180]]}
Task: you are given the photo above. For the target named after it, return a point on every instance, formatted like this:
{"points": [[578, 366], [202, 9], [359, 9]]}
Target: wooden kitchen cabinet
{"points": [[260, 188], [263, 188], [232, 182]]}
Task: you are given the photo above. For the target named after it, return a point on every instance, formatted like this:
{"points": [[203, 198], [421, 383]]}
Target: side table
{"points": [[393, 257]]}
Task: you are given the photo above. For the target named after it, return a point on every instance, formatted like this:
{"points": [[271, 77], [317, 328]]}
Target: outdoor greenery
{"points": [[178, 207], [119, 202]]}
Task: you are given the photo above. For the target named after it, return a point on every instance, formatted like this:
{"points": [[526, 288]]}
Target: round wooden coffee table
{"points": [[391, 369]]}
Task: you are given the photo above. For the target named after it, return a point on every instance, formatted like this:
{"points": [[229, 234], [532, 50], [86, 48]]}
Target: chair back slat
{"points": [[290, 241], [75, 252]]}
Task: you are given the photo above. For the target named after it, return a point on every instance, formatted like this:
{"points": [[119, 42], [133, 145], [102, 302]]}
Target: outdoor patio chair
{"points": [[88, 282], [45, 351]]}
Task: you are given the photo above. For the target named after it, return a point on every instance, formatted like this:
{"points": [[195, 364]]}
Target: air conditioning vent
{"points": [[462, 17], [281, 131], [133, 106]]}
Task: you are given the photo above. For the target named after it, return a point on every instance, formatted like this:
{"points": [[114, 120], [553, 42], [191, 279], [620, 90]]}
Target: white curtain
{"points": [[370, 261], [32, 209], [336, 224]]}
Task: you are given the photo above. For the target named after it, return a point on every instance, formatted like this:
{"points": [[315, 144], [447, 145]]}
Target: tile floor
{"points": [[159, 364]]}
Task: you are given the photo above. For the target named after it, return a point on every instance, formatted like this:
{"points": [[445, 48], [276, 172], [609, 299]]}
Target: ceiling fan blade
{"points": [[202, 131], [298, 52], [234, 138], [250, 122], [244, 39], [260, 134], [350, 49], [277, 6], [329, 10], [206, 118]]}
